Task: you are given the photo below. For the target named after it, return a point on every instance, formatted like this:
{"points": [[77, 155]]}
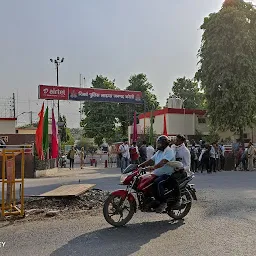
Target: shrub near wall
{"points": [[45, 164]]}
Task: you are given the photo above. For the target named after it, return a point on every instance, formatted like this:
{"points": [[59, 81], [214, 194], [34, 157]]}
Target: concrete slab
{"points": [[68, 190]]}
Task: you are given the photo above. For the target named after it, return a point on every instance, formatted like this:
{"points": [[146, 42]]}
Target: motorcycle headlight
{"points": [[122, 178]]}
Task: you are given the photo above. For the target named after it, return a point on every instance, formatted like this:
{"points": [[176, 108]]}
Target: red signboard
{"points": [[52, 92], [89, 94]]}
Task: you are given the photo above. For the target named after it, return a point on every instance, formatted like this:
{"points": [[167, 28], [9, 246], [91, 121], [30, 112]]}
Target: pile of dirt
{"points": [[92, 199], [89, 203]]}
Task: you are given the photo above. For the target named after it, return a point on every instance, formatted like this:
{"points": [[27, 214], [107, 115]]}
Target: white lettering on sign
{"points": [[130, 96], [94, 95], [106, 95], [4, 138], [57, 92], [119, 96], [84, 94], [2, 244]]}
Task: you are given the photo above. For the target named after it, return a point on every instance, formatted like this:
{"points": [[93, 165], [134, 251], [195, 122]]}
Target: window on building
{"points": [[201, 120]]}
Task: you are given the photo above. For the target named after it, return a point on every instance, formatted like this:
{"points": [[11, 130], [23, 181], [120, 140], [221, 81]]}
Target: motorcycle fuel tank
{"points": [[145, 181]]}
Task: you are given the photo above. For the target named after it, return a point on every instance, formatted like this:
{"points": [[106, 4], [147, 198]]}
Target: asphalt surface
{"points": [[105, 179], [222, 222]]}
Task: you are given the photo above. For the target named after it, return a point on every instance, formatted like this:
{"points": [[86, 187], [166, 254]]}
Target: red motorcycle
{"points": [[121, 205]]}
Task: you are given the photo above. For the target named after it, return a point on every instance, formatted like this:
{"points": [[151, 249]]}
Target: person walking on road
{"points": [[244, 160], [217, 156], [71, 157], [213, 158], [204, 158], [222, 157], [250, 154], [194, 158], [82, 157], [125, 155], [239, 155]]}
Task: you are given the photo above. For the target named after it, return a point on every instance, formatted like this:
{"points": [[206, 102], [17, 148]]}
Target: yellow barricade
{"points": [[9, 181]]}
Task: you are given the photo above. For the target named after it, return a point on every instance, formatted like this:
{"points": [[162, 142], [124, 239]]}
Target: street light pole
{"points": [[57, 62]]}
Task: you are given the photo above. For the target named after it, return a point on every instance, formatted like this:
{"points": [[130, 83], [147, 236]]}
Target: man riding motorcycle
{"points": [[163, 172]]}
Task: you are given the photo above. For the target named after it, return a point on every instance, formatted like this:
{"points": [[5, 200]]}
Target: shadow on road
{"points": [[116, 241]]}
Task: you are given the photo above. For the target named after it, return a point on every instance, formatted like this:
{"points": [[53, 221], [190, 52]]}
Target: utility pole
{"points": [[31, 117], [57, 63], [81, 104], [80, 109], [13, 105]]}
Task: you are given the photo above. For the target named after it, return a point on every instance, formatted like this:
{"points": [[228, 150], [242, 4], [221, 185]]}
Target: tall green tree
{"points": [[189, 91], [64, 135], [100, 118], [227, 65], [138, 82]]}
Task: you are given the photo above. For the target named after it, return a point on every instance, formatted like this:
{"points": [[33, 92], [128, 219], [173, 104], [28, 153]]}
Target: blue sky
{"points": [[115, 38]]}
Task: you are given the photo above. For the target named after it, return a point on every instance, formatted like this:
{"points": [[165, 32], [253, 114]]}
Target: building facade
{"points": [[189, 122], [7, 125]]}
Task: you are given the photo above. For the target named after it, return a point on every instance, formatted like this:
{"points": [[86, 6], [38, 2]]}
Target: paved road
{"points": [[222, 222], [105, 179]]}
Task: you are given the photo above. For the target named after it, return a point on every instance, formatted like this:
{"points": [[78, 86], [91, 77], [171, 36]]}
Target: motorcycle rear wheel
{"points": [[183, 211], [118, 210]]}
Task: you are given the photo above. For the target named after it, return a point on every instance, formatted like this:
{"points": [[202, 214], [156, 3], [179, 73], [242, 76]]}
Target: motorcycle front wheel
{"points": [[118, 212], [184, 209]]}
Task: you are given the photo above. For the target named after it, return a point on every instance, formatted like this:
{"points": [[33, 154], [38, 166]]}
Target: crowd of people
{"points": [[212, 158], [245, 157], [134, 154], [204, 157]]}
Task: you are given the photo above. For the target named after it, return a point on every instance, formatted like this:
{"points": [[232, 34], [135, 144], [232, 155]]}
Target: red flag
{"points": [[39, 134], [165, 127], [135, 132], [54, 137]]}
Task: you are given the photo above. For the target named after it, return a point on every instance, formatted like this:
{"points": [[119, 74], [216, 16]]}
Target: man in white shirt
{"points": [[250, 154], [163, 172], [150, 151], [182, 153], [124, 151], [213, 158], [222, 157]]}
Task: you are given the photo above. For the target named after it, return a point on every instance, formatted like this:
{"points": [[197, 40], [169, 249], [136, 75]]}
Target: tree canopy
{"points": [[189, 91], [227, 65], [138, 82], [64, 134], [110, 121], [100, 118]]}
